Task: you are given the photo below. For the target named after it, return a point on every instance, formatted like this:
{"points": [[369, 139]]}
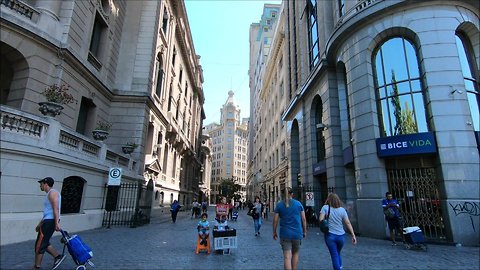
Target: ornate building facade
{"points": [[130, 67], [385, 98]]}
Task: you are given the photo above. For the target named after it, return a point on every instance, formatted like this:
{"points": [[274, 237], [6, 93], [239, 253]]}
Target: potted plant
{"points": [[56, 95], [100, 133], [129, 147]]}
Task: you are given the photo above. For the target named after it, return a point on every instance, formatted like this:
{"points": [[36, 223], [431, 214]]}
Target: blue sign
{"points": [[410, 144]]}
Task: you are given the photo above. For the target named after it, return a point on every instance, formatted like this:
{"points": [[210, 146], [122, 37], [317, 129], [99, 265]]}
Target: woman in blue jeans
{"points": [[257, 215], [335, 238]]}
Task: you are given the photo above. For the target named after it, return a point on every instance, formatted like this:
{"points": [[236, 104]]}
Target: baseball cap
{"points": [[48, 180]]}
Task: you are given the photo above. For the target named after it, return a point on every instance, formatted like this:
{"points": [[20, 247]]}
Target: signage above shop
{"points": [[410, 144]]}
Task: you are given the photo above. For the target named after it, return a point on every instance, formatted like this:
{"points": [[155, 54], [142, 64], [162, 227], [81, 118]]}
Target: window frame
{"points": [[312, 22], [389, 129]]}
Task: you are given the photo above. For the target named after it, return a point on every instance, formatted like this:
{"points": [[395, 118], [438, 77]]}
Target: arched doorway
{"points": [[13, 67]]}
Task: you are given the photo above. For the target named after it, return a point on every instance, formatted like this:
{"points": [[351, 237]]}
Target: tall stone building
{"points": [[267, 174], [384, 97], [130, 66], [229, 149]]}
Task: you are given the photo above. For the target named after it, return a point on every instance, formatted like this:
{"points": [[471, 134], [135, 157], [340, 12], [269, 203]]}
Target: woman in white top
{"points": [[335, 238]]}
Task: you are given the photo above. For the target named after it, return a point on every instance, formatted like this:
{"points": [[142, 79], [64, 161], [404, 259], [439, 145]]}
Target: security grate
{"points": [[416, 190]]}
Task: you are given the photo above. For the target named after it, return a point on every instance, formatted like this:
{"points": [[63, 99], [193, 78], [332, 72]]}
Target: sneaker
{"points": [[58, 260], [256, 234], [394, 243]]}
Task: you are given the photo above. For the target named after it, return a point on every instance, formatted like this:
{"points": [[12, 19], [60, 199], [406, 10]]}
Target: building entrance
{"points": [[416, 190]]}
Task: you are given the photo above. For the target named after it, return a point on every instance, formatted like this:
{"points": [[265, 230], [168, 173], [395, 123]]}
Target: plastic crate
{"points": [[225, 242]]}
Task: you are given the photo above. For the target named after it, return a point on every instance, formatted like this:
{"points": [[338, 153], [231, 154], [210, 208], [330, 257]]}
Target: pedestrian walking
{"points": [[257, 215], [49, 224], [293, 228], [335, 237], [230, 210], [393, 216], [204, 207], [266, 209], [195, 208], [174, 208]]}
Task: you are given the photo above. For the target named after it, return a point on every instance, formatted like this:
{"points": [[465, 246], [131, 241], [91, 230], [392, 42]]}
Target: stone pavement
{"points": [[164, 245]]}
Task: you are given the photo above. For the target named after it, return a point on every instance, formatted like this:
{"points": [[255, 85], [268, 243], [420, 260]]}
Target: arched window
{"points": [[399, 88], [319, 128], [72, 191], [465, 53]]}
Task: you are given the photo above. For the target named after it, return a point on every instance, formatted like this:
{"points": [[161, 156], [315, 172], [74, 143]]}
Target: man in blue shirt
{"points": [[392, 215], [293, 228]]}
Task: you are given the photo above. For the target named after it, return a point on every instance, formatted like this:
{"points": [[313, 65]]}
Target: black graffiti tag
{"points": [[470, 208]]}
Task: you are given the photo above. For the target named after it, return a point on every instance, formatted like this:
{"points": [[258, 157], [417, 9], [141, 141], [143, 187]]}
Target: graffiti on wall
{"points": [[472, 209]]}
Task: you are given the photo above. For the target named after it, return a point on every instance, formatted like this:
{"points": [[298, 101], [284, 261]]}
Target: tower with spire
{"points": [[229, 148]]}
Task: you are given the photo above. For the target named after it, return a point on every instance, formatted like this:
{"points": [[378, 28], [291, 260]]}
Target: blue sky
{"points": [[220, 36]]}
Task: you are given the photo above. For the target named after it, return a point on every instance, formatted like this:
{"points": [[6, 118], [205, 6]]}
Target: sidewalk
{"points": [[166, 245]]}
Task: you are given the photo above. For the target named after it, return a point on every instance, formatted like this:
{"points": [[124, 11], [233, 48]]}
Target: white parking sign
{"points": [[114, 176]]}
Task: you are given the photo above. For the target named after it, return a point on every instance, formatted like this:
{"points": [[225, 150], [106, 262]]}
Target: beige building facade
{"points": [[268, 144], [131, 64], [384, 97], [229, 149]]}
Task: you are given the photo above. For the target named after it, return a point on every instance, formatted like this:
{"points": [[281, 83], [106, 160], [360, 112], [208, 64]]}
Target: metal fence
{"points": [[127, 205]]}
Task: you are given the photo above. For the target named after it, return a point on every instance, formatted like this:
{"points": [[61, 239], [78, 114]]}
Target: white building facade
{"points": [[268, 143], [131, 64]]}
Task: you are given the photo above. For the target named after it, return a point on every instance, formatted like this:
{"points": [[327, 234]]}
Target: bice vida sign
{"points": [[410, 144]]}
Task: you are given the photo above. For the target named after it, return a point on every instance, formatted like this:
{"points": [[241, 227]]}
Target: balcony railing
{"points": [[20, 7], [359, 7], [29, 130]]}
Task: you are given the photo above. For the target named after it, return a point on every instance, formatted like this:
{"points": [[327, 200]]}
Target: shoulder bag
{"points": [[389, 213], [324, 222]]}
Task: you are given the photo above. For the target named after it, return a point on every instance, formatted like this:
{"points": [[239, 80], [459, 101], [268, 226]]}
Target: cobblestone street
{"points": [[164, 245]]}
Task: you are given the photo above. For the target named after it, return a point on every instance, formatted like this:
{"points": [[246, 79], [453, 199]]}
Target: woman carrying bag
{"points": [[335, 237]]}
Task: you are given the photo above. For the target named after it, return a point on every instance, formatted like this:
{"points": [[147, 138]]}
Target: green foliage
{"points": [[131, 144], [397, 130], [230, 189], [404, 118], [103, 125], [58, 94], [408, 123]]}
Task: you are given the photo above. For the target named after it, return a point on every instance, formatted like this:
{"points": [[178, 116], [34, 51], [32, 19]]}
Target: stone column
{"points": [[49, 16]]}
